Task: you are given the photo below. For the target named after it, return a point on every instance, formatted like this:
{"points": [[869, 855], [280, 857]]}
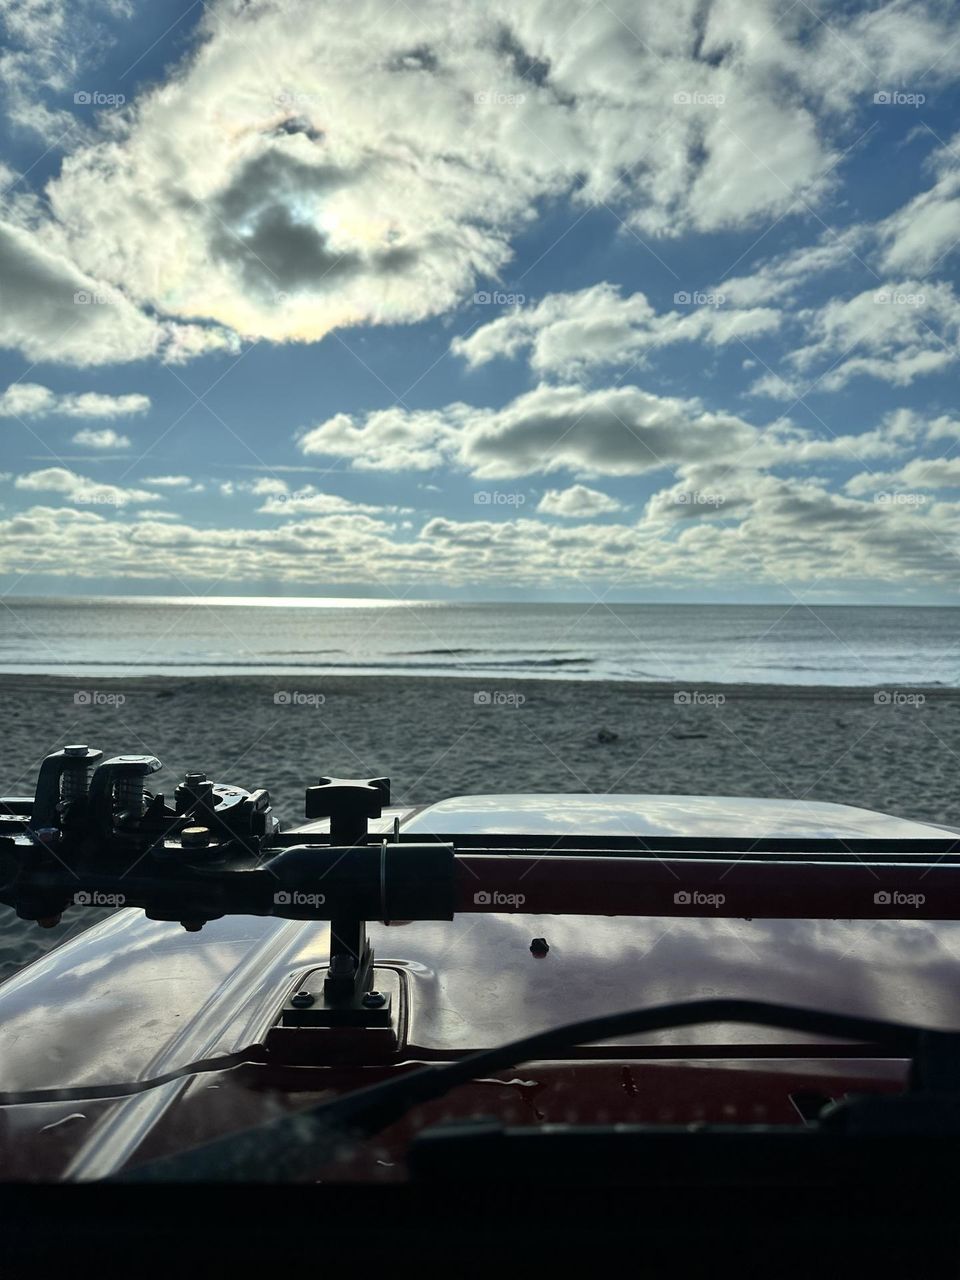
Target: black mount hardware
{"points": [[102, 839], [349, 804]]}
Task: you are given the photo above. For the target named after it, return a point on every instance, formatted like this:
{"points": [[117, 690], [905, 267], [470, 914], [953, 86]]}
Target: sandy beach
{"points": [[893, 750]]}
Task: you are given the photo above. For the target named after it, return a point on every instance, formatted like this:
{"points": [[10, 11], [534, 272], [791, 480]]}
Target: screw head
{"points": [[195, 837], [75, 749], [302, 999], [374, 1000]]}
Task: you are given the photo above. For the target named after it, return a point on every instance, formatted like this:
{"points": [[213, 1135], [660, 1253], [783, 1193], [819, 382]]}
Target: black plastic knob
{"points": [[348, 803]]}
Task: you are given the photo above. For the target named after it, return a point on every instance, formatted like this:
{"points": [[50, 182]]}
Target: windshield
{"points": [[522, 440]]}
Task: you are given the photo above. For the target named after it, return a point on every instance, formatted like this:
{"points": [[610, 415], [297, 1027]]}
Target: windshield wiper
{"points": [[292, 1146]]}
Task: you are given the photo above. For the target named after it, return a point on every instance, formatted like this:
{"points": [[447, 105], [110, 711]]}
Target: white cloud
{"points": [[31, 400], [567, 332], [771, 530], [918, 473], [390, 439], [613, 431], [924, 231], [308, 501], [46, 44], [50, 309], [895, 333], [168, 482], [577, 503], [106, 438], [269, 485], [259, 189], [80, 489], [780, 279]]}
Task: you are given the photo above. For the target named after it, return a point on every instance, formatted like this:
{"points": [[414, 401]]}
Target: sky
{"points": [[567, 299]]}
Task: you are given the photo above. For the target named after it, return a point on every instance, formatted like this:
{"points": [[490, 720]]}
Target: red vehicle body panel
{"points": [[177, 1021]]}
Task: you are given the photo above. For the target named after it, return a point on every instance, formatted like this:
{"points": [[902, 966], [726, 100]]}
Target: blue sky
{"points": [[574, 301]]}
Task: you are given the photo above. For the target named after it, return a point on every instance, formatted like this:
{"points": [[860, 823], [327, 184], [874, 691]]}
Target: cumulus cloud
{"points": [[80, 489], [301, 170], [51, 309], [106, 438], [577, 503], [269, 486], [925, 230], [918, 473], [309, 501], [389, 439], [40, 314], [773, 530], [896, 332], [366, 165], [613, 431], [31, 400], [566, 332], [779, 279], [41, 56], [169, 482]]}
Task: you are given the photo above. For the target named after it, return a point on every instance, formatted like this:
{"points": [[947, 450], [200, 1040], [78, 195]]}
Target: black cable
{"points": [[294, 1145]]}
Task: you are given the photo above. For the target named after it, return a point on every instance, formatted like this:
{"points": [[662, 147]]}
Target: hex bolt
{"points": [[193, 779], [374, 1000], [539, 947], [302, 999]]}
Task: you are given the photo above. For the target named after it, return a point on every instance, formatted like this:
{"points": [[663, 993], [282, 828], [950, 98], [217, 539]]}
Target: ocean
{"points": [[708, 643]]}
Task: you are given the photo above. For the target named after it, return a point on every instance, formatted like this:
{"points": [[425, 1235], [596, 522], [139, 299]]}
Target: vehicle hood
{"points": [[134, 1000], [658, 815]]}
